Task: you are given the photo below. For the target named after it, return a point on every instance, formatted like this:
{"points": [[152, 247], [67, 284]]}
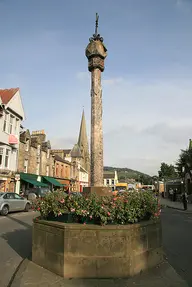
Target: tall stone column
{"points": [[96, 53]]}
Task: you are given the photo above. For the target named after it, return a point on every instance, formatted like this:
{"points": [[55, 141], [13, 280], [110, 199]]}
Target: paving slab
{"points": [[32, 275]]}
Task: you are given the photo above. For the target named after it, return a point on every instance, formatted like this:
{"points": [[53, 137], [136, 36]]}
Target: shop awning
{"points": [[53, 181], [35, 182]]}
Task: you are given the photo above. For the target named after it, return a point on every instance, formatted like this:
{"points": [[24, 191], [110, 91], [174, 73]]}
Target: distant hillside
{"points": [[127, 173]]}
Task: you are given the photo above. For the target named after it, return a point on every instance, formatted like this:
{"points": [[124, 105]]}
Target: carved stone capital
{"points": [[96, 63]]}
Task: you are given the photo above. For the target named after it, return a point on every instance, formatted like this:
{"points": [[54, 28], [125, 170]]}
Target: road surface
{"points": [[15, 243], [177, 241]]}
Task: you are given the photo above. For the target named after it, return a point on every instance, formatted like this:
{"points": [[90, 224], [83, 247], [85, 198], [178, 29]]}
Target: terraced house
{"points": [[36, 165], [11, 117]]}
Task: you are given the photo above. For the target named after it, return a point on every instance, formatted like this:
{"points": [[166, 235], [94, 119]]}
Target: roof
{"points": [[67, 151], [76, 151], [58, 158], [83, 140], [7, 94], [107, 175]]}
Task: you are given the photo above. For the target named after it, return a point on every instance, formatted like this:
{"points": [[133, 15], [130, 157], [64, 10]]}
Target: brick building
{"points": [[62, 170]]}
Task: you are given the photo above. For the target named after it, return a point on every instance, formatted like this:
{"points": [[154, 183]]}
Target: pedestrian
{"points": [[174, 194], [171, 194], [184, 199]]}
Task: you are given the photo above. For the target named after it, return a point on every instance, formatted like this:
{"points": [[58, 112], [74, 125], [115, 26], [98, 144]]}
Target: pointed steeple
{"points": [[83, 142], [83, 132]]}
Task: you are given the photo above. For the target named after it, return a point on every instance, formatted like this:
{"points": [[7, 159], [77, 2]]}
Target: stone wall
{"points": [[91, 251], [32, 156]]}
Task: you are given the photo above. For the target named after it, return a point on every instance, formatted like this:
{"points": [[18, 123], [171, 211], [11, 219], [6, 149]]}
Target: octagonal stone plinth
{"points": [[91, 251]]}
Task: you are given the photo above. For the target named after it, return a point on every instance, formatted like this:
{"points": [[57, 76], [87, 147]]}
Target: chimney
{"points": [[40, 135]]}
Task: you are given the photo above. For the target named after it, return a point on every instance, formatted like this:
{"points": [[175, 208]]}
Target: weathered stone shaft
{"points": [[96, 129]]}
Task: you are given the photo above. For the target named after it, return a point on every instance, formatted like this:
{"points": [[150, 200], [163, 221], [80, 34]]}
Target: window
{"points": [[38, 149], [48, 153], [5, 124], [57, 170], [27, 145], [1, 156], [17, 196], [7, 155], [37, 168], [9, 195], [25, 165], [16, 126], [11, 124], [61, 171], [47, 170], [113, 182], [107, 181]]}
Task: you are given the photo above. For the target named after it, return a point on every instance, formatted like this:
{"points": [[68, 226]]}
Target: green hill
{"points": [[126, 173]]}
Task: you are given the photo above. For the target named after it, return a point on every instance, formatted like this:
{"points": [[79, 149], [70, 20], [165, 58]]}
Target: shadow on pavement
{"points": [[20, 240]]}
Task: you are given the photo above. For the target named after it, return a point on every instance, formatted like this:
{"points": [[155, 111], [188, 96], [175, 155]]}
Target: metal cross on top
{"points": [[96, 36]]}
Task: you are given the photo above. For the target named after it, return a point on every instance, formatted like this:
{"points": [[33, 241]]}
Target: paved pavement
{"points": [[175, 205], [15, 243], [35, 276], [177, 240]]}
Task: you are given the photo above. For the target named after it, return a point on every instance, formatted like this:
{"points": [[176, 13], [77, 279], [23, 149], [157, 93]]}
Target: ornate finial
{"points": [[96, 36], [96, 23]]}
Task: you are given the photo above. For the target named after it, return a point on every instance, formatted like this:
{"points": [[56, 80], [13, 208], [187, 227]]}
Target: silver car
{"points": [[10, 201]]}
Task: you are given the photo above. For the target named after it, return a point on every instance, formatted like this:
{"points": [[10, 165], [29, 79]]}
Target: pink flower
{"points": [[62, 200], [108, 213], [84, 223], [90, 216], [59, 213], [72, 209], [115, 198]]}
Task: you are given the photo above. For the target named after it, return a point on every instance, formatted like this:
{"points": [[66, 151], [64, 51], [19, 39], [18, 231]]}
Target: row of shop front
{"points": [[22, 182], [26, 181]]}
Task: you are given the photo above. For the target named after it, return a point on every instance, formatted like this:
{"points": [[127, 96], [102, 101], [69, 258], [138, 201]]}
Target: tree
{"points": [[167, 171], [184, 163]]}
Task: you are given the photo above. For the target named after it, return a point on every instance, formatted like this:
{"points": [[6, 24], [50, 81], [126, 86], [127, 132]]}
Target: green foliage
{"points": [[184, 162], [127, 173], [130, 207], [167, 171]]}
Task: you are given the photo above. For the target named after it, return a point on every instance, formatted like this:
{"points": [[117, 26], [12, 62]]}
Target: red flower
{"points": [[38, 208]]}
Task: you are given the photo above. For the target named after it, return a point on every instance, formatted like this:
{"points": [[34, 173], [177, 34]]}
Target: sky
{"points": [[147, 87]]}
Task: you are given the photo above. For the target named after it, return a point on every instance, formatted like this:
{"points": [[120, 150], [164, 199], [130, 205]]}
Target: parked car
{"points": [[10, 201], [33, 193]]}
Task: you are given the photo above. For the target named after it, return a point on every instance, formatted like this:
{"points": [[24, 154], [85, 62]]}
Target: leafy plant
{"points": [[130, 207]]}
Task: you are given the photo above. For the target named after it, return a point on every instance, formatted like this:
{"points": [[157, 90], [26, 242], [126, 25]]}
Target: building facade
{"points": [[110, 179], [36, 164], [62, 171], [11, 117]]}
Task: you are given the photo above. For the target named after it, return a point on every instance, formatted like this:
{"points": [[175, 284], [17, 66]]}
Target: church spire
{"points": [[83, 132], [83, 142]]}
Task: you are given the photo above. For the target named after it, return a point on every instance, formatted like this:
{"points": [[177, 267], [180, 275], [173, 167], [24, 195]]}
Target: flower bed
{"points": [[130, 207]]}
